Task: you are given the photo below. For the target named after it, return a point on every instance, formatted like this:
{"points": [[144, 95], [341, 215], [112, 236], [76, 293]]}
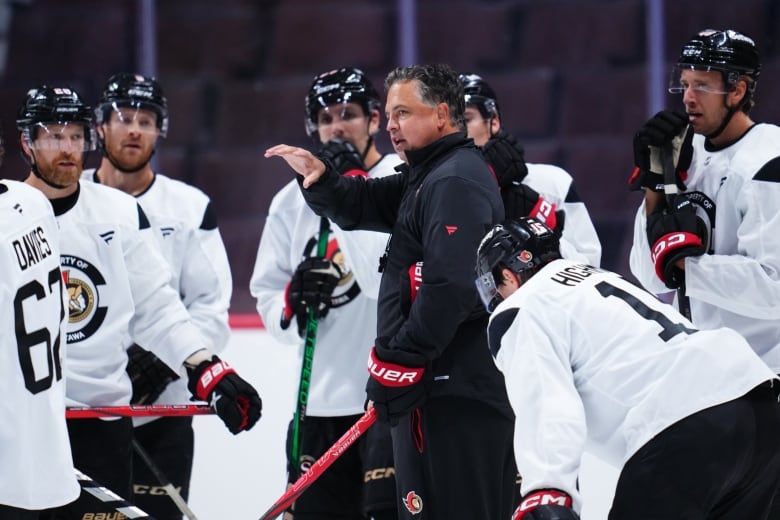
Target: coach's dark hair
{"points": [[437, 83]]}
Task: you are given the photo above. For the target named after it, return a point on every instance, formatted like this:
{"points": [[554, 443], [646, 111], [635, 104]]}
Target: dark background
{"points": [[572, 79]]}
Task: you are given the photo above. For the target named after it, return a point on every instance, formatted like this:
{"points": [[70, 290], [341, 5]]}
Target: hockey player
{"points": [[591, 359], [118, 285], [35, 452], [131, 114], [543, 191], [342, 116], [726, 165], [450, 419]]}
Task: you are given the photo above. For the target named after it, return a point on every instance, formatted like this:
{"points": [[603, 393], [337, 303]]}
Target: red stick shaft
{"points": [[157, 410], [319, 467]]}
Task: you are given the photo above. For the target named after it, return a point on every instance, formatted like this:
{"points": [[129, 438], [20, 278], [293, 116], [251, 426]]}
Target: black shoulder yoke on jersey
{"points": [[770, 172], [498, 327]]}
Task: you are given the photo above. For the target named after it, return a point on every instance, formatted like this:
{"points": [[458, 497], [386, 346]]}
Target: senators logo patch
{"points": [[413, 503], [82, 281], [347, 288]]}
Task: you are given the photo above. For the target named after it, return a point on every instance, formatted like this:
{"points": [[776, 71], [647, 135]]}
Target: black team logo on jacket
{"points": [[82, 281]]}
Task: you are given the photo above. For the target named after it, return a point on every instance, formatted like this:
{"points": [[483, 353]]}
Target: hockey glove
{"points": [[234, 400], [672, 235], [311, 287], [666, 128], [149, 375], [520, 200], [343, 157], [507, 158], [395, 389], [546, 504]]}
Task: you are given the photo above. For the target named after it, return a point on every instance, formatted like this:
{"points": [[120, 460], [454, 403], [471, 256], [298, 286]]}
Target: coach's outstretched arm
{"points": [[305, 163]]}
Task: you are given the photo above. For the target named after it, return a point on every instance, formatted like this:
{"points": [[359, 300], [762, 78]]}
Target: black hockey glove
{"points": [[149, 375], [546, 504], [507, 158], [234, 400], [674, 234], [666, 129], [395, 389], [520, 200], [343, 157], [311, 287]]}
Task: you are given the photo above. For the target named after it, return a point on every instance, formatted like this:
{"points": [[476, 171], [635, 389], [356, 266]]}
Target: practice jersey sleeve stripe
{"points": [[498, 327], [770, 172]]}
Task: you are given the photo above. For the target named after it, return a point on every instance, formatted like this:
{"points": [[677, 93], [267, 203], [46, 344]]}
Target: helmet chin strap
{"points": [[730, 111], [37, 173]]}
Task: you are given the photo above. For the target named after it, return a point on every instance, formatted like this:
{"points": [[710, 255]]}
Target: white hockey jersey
{"points": [[118, 287], [37, 468], [591, 360], [579, 240], [186, 229], [346, 334], [737, 284]]}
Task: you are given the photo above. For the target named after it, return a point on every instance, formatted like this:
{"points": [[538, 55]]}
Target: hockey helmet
{"points": [[343, 85], [477, 92], [522, 245], [125, 90], [46, 105], [730, 52]]}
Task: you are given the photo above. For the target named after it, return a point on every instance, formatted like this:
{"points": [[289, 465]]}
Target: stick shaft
{"points": [[319, 467], [671, 191], [170, 489], [308, 358], [154, 410]]}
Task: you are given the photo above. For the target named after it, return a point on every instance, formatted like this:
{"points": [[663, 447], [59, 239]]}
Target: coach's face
{"points": [[411, 123]]}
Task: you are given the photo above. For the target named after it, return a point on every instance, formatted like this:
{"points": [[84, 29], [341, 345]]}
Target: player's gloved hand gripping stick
{"points": [[308, 357]]}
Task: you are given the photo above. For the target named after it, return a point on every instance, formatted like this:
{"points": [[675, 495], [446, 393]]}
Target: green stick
{"points": [[308, 357]]}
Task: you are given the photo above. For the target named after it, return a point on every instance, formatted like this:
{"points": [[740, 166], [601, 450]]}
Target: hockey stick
{"points": [[671, 191], [152, 410], [110, 498], [173, 493], [308, 358], [319, 467]]}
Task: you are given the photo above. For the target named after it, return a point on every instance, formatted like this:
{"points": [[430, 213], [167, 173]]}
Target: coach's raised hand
{"points": [[305, 163]]}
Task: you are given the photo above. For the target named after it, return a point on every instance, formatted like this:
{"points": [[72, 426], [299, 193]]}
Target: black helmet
{"points": [[137, 91], [343, 85], [728, 51], [479, 93], [523, 245], [55, 105]]}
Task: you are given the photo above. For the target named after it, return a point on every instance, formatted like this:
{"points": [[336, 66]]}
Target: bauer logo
{"points": [[83, 282], [413, 503]]}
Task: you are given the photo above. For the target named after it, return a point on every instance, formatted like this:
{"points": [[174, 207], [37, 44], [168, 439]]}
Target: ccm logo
{"points": [[544, 498], [390, 374], [672, 241]]}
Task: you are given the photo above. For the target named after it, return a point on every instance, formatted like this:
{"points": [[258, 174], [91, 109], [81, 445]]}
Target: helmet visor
{"points": [[488, 291], [330, 114], [683, 77], [70, 137], [138, 117]]}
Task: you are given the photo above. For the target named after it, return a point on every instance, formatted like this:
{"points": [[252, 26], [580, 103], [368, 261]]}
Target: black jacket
{"points": [[437, 208]]}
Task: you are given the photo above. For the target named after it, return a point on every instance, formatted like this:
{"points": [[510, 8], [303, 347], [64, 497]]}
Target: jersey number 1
{"points": [[669, 328]]}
